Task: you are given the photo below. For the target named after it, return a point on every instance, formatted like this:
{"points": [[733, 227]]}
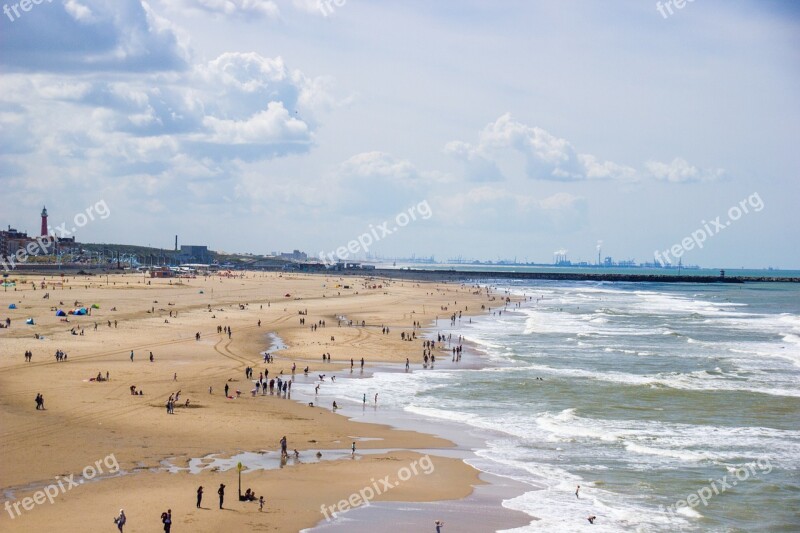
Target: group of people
{"points": [[60, 355], [262, 384], [28, 356], [39, 402], [166, 519], [250, 496], [173, 399]]}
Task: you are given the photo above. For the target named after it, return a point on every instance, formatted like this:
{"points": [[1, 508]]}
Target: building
{"points": [[12, 240], [194, 254], [296, 255]]}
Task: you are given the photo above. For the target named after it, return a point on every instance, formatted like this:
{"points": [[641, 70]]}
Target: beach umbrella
{"points": [[60, 313], [12, 306], [30, 322]]}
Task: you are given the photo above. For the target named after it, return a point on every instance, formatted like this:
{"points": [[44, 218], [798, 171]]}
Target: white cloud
{"points": [[78, 11], [265, 127], [228, 8], [681, 171], [379, 166], [548, 157]]}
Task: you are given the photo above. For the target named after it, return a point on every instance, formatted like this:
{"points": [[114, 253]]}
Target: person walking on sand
{"points": [[120, 520], [221, 492], [166, 519], [131, 356], [199, 496], [353, 448], [260, 504]]}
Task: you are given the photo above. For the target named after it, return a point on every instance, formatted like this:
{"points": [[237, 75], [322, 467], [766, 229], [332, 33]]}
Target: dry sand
{"points": [[87, 421]]}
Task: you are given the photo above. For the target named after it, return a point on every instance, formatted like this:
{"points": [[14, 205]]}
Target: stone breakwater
{"points": [[455, 275]]}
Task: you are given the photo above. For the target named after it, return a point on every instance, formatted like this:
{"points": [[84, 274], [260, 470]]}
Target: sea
{"points": [[674, 407]]}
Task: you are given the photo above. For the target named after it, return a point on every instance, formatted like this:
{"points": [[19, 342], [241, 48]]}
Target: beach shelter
{"points": [[80, 311], [95, 306], [12, 306], [60, 313], [30, 322]]}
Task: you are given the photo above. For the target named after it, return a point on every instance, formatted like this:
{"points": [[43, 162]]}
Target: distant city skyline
{"points": [[526, 127]]}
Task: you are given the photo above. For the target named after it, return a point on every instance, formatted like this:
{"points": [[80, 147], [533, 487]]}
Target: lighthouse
{"points": [[44, 221]]}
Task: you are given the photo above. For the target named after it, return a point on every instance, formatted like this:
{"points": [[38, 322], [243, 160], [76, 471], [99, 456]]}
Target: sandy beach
{"points": [[103, 427]]}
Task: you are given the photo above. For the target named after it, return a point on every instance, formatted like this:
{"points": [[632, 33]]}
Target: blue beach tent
{"points": [[12, 306]]}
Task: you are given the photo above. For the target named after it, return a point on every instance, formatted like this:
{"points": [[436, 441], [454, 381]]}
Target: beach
{"points": [[127, 443], [655, 399]]}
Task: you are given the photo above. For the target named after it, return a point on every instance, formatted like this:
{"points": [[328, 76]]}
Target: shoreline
{"points": [[462, 513]]}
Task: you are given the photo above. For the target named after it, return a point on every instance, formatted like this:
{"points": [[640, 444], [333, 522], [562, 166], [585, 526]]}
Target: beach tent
{"points": [[60, 313], [201, 292], [12, 306], [30, 322], [80, 311], [95, 306]]}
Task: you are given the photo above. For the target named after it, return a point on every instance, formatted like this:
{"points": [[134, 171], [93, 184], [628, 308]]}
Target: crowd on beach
{"points": [[442, 346]]}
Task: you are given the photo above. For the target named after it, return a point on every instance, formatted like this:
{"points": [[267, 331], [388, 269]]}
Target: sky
{"points": [[476, 129]]}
